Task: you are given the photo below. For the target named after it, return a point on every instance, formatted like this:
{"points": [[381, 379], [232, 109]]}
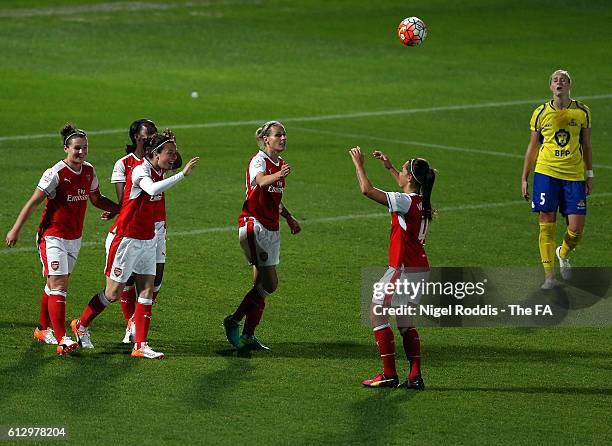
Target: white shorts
{"points": [[160, 237], [58, 255], [260, 245], [126, 256], [408, 291]]}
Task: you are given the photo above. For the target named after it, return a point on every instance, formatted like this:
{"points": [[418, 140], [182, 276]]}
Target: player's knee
{"points": [[547, 217], [158, 281], [264, 290]]}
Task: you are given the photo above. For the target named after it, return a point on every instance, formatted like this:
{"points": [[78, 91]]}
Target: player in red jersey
{"points": [[259, 233], [67, 186], [411, 213], [131, 243], [139, 131]]}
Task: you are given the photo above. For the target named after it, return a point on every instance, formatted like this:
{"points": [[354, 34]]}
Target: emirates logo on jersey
{"points": [[117, 271], [55, 265], [82, 196]]}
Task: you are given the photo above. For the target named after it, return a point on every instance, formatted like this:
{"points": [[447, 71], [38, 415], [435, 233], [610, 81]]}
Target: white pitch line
{"points": [[78, 10], [305, 222], [425, 144], [400, 111]]}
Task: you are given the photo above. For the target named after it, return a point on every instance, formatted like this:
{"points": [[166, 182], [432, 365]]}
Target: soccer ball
{"points": [[412, 31]]}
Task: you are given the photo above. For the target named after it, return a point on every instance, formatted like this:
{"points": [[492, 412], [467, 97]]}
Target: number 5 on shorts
{"points": [[542, 198]]}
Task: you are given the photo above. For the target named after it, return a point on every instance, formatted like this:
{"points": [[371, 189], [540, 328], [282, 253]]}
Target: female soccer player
{"points": [[560, 145], [411, 214], [67, 186], [259, 233], [139, 131], [131, 243]]}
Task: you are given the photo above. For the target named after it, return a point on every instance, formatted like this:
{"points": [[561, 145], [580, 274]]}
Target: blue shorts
{"points": [[550, 194]]}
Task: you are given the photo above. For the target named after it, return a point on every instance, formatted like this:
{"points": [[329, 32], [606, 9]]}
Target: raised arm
{"points": [[364, 182], [13, 235], [157, 187], [530, 157]]}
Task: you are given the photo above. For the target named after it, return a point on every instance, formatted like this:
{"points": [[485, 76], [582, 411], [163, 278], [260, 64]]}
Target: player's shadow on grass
{"points": [[375, 416], [14, 325], [439, 355], [26, 372], [555, 390], [209, 390]]}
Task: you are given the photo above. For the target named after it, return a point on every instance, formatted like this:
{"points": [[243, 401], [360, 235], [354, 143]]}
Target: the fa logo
{"points": [[543, 310], [562, 137]]}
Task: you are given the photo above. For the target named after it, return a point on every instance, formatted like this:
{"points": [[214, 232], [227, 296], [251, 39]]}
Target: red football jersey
{"points": [[408, 230], [67, 195], [262, 203], [122, 169], [138, 209]]}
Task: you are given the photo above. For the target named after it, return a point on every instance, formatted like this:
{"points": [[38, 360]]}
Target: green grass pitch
{"points": [[335, 72]]}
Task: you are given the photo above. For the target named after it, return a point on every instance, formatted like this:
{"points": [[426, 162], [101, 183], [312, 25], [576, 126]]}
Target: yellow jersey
{"points": [[560, 154]]}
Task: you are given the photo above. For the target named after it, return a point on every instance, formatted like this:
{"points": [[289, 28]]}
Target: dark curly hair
{"points": [[133, 131]]}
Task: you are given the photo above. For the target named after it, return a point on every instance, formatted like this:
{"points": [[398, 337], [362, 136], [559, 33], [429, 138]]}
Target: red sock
{"points": [[386, 347], [43, 321], [253, 317], [412, 347], [142, 319], [249, 302], [128, 302], [57, 312], [96, 305]]}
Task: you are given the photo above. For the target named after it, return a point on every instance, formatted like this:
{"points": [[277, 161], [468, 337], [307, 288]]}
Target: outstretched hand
{"points": [[356, 156], [190, 165], [384, 158]]}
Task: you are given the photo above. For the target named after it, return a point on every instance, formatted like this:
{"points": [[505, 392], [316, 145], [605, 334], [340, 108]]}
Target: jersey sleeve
{"points": [[535, 124], [138, 173], [256, 166], [118, 175], [587, 112], [398, 202], [95, 184], [49, 182]]}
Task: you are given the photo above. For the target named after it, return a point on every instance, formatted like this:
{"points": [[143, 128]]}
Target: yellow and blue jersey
{"points": [[560, 154]]}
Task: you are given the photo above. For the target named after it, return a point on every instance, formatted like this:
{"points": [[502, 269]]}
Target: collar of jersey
{"points": [[159, 172], [566, 108], [72, 170], [266, 155]]}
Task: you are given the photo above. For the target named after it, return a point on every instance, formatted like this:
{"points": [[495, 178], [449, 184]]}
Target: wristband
{"points": [[589, 174]]}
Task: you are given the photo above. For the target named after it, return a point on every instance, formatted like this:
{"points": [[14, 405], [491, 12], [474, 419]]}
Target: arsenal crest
{"points": [[54, 265], [117, 271]]}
